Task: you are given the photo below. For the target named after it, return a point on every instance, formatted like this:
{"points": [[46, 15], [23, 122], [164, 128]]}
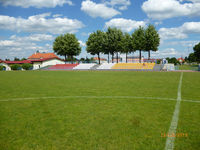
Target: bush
{"points": [[2, 68], [158, 61], [16, 67], [27, 66]]}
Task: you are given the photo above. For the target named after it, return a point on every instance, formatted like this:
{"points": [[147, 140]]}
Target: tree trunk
{"points": [[108, 58], [149, 54], [65, 58], [98, 58], [112, 57], [72, 59], [140, 56], [126, 57], [117, 57]]}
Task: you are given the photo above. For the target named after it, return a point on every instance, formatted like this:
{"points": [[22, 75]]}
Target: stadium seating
{"points": [[106, 66], [136, 66], [84, 66], [62, 67]]}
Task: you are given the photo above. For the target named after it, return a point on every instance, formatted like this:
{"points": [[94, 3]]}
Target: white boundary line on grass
{"points": [[174, 123], [107, 97]]}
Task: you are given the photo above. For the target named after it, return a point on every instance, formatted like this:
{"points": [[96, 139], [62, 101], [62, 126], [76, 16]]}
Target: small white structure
{"points": [[169, 67]]}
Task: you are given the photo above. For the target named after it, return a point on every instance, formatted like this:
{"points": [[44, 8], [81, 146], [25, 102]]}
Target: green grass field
{"points": [[188, 67], [96, 110]]}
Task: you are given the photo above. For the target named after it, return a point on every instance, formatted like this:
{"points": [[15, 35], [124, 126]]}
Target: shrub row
{"points": [[25, 66]]}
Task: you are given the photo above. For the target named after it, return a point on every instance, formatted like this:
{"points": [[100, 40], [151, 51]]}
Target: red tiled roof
{"points": [[42, 56], [18, 62], [180, 59]]}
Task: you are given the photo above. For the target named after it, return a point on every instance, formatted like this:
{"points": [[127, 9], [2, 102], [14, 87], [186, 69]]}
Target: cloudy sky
{"points": [[30, 25]]}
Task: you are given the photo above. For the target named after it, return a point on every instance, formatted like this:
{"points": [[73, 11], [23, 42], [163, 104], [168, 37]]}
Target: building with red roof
{"points": [[38, 60], [181, 60]]}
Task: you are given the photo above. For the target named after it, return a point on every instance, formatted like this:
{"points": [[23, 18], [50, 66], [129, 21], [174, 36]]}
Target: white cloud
{"points": [[180, 32], [40, 23], [36, 3], [163, 9], [187, 44], [168, 52], [126, 25], [82, 43], [120, 4], [33, 37], [17, 46], [98, 10]]}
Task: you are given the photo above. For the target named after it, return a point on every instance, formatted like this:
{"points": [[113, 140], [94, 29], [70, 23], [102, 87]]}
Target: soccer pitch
{"points": [[98, 110]]}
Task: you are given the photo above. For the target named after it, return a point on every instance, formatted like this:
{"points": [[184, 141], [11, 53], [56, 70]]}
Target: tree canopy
{"points": [[152, 39], [128, 46], [139, 40], [67, 45], [96, 43], [197, 52], [114, 41]]}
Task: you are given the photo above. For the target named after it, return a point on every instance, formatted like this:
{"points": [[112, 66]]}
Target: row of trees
{"points": [[114, 41], [111, 42]]}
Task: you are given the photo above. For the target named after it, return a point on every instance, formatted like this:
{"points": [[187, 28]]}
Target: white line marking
{"points": [[99, 97], [174, 123]]}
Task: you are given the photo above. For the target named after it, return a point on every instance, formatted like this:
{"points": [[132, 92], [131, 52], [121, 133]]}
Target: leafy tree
{"points": [[67, 45], [192, 57], [172, 60], [27, 66], [96, 43], [197, 52], [139, 40], [152, 39], [114, 41], [7, 59], [16, 59], [15, 67], [127, 45], [23, 59]]}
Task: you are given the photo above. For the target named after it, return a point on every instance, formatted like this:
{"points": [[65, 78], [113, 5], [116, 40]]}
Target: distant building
{"points": [[38, 60], [103, 60], [181, 60]]}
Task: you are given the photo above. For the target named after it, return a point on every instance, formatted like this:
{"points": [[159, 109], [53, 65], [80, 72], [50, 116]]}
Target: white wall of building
{"points": [[37, 65]]}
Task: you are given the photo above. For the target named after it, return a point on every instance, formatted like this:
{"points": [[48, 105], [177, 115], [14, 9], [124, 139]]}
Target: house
{"points": [[181, 60], [38, 60], [40, 63]]}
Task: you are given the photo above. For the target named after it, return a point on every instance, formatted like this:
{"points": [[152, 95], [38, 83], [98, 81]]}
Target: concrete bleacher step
{"points": [[95, 67]]}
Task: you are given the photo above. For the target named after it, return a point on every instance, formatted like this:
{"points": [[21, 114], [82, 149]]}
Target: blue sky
{"points": [[30, 25]]}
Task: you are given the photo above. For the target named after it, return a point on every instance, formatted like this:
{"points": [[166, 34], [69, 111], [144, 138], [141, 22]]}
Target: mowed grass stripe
{"points": [[84, 124], [59, 83]]}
